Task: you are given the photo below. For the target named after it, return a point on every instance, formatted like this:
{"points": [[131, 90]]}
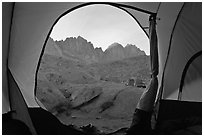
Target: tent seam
{"points": [[7, 60], [168, 52]]}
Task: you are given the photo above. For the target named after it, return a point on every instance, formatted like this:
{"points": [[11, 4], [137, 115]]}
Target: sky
{"points": [[102, 25]]}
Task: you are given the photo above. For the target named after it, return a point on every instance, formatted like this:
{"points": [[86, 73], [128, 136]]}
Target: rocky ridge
{"points": [[79, 48]]}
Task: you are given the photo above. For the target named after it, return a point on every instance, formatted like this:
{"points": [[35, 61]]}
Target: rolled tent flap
{"points": [[147, 99], [153, 47], [142, 117]]}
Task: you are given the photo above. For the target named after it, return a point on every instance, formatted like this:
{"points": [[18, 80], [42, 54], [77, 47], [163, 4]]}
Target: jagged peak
{"points": [[133, 46], [80, 37], [74, 38], [98, 48], [130, 45], [115, 44]]}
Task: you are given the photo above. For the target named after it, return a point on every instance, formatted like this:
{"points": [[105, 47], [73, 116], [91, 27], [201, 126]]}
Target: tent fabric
{"points": [[188, 35], [142, 18], [192, 81], [7, 10], [148, 97], [153, 47], [18, 105], [177, 56], [167, 13], [149, 6]]}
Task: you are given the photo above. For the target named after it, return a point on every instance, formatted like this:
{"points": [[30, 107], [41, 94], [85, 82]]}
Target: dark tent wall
{"points": [[7, 9], [192, 80], [13, 102]]}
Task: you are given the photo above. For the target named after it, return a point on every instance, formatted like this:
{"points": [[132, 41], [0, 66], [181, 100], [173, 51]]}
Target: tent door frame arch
{"points": [[117, 5]]}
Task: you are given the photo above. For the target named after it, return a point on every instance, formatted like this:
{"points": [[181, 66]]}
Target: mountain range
{"points": [[80, 49], [80, 84]]}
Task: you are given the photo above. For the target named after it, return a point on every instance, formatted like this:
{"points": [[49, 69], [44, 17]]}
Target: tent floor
{"points": [[47, 124]]}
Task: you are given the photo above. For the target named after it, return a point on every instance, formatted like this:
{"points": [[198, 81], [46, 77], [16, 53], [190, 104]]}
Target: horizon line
{"points": [[96, 46]]}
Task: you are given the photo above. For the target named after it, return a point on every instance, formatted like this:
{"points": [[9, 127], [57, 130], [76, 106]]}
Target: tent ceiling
{"points": [[149, 6]]}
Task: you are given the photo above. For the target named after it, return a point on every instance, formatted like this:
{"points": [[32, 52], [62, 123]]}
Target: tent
{"points": [[174, 30]]}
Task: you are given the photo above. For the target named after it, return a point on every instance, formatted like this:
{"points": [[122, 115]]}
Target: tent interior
{"points": [[175, 92]]}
